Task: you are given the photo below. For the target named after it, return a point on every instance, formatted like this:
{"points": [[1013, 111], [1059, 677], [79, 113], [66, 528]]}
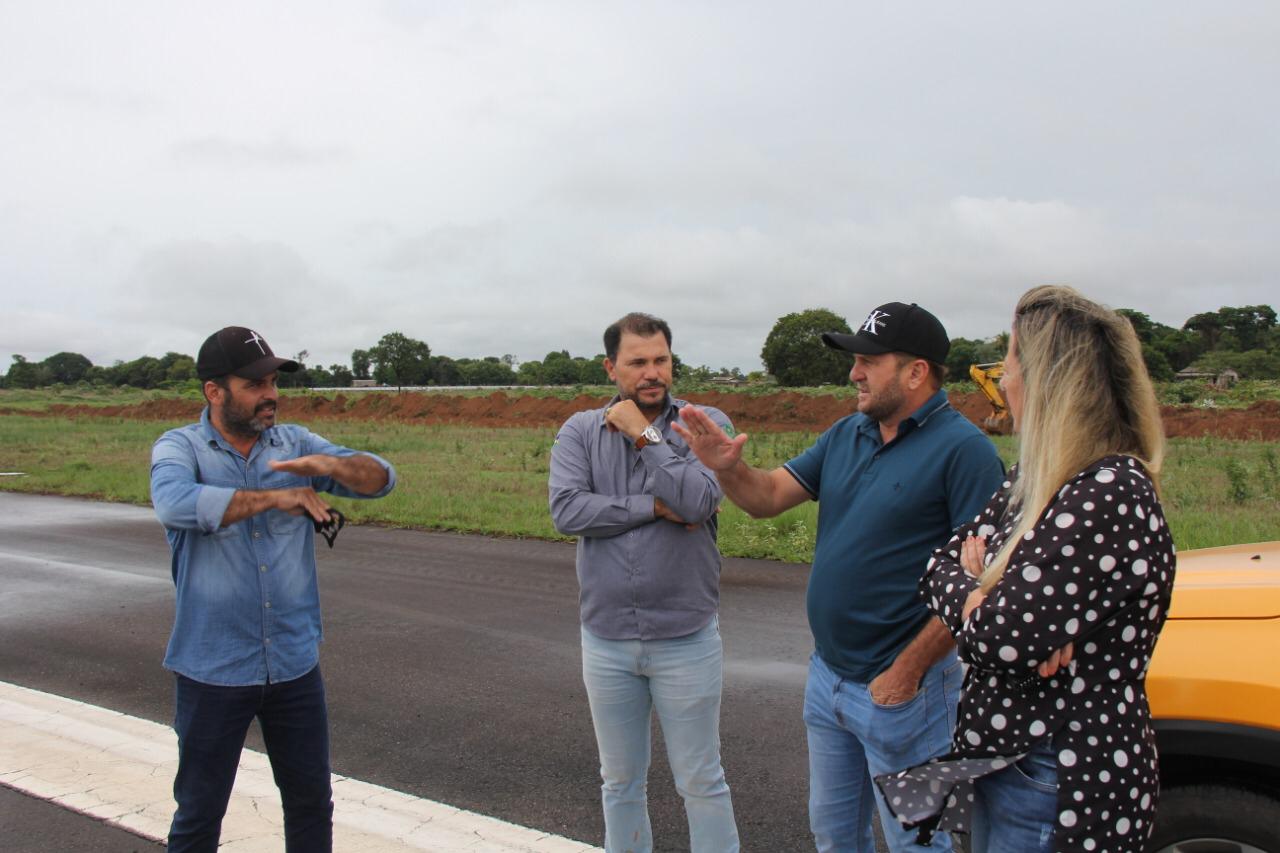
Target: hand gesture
{"points": [[713, 447], [625, 417], [302, 500]]}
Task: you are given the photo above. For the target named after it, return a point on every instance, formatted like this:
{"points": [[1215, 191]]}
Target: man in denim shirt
{"points": [[237, 496], [644, 509]]}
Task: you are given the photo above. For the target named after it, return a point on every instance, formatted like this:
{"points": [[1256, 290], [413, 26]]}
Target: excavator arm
{"points": [[1000, 421]]}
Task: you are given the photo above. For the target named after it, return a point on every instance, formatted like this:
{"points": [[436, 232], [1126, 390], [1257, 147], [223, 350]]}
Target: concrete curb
{"points": [[120, 769]]}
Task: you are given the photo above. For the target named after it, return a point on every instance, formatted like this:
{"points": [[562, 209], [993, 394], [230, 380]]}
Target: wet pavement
{"points": [[452, 663]]}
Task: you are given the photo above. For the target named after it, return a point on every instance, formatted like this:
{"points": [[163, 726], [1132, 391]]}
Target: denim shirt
{"points": [[248, 606], [640, 577]]}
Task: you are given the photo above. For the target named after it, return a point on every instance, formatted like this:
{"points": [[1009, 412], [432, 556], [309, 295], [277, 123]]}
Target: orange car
{"points": [[1214, 686]]}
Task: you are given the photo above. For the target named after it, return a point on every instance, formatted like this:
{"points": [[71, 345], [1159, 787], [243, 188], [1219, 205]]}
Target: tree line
{"points": [[1244, 338]]}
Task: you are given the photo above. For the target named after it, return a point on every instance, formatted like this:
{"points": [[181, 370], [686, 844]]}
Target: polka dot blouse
{"points": [[1096, 570]]}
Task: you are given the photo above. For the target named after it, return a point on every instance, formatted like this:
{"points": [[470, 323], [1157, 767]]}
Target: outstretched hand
{"points": [[711, 444]]}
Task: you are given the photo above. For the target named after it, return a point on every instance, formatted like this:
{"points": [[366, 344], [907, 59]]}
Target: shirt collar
{"points": [[931, 407], [213, 437], [916, 419]]}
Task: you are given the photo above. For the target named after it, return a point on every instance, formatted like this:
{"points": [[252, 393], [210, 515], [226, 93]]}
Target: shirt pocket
{"points": [[283, 524], [279, 522]]}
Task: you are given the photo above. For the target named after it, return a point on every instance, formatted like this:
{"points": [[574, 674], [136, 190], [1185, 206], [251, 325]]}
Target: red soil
{"points": [[783, 411]]}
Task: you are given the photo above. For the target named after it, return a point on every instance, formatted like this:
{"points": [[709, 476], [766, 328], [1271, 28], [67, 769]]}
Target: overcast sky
{"points": [[508, 177]]}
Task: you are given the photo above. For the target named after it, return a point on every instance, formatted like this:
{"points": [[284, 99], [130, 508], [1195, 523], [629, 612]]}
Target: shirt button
{"points": [[257, 534], [267, 641], [267, 605], [262, 568]]}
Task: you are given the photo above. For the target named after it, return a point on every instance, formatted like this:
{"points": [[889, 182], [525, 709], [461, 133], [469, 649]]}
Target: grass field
{"points": [[494, 481]]}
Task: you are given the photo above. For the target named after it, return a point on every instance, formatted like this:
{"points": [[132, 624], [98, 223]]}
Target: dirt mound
{"points": [[1259, 422], [784, 411]]}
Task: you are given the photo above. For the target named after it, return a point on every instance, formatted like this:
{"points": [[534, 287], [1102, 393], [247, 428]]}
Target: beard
{"points": [[648, 408], [246, 423], [884, 403]]}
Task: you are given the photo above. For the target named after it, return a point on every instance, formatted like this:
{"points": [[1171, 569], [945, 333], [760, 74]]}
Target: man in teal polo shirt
{"points": [[892, 481]]}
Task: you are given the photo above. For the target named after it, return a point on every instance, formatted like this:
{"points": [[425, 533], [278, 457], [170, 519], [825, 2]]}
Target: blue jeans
{"points": [[1016, 808], [626, 680], [852, 739], [212, 722]]}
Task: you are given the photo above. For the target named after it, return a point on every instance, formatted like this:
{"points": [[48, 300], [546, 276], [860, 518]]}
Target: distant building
{"points": [[1218, 379], [364, 383]]}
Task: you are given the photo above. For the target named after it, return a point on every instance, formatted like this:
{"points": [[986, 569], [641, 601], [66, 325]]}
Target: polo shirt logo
{"points": [[873, 323]]}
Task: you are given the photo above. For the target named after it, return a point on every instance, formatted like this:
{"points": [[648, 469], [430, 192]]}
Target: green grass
{"points": [[494, 481], [1198, 394]]}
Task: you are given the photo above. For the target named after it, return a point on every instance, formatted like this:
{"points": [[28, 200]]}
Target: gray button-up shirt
{"points": [[640, 578]]}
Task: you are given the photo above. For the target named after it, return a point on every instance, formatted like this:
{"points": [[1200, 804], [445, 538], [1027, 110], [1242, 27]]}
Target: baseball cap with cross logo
{"points": [[241, 352], [896, 327]]}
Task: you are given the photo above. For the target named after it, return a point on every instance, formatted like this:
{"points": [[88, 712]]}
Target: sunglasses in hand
{"points": [[329, 529]]}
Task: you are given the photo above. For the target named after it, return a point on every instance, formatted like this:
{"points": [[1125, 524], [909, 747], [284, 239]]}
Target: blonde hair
{"points": [[1086, 395]]}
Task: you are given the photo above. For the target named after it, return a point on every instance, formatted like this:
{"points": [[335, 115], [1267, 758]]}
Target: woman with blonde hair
{"points": [[1055, 594]]}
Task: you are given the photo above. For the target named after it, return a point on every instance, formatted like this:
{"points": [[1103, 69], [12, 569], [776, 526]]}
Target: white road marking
{"points": [[120, 769]]}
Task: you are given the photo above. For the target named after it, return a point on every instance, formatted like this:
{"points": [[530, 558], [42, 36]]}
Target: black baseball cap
{"points": [[896, 327], [241, 352]]}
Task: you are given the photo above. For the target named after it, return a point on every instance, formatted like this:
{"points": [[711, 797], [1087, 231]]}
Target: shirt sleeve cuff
{"points": [[211, 506], [657, 453], [391, 477], [804, 484]]}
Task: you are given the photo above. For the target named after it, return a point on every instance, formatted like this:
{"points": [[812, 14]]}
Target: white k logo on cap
{"points": [[874, 321]]}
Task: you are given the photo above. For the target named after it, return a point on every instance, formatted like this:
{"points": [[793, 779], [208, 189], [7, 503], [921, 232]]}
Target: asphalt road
{"points": [[452, 664]]}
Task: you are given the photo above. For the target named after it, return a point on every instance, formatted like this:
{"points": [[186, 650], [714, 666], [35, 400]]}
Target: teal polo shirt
{"points": [[882, 510]]}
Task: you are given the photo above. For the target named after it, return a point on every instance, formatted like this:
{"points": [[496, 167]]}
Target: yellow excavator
{"points": [[987, 376]]}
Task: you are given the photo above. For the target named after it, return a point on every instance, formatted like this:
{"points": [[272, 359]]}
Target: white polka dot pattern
{"points": [[1097, 571]]}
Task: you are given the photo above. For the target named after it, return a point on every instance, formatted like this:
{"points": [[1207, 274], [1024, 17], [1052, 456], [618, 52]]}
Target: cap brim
{"points": [[263, 366], [852, 343]]}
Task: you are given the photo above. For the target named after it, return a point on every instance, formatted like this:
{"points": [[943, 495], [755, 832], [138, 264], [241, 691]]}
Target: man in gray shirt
{"points": [[644, 511]]}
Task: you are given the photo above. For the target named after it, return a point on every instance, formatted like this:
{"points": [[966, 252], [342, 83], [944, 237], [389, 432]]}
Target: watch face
{"points": [[652, 435]]}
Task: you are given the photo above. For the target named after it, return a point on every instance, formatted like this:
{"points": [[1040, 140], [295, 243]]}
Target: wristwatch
{"points": [[649, 436]]}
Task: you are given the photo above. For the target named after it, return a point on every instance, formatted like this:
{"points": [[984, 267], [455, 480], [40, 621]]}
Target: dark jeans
{"points": [[212, 722]]}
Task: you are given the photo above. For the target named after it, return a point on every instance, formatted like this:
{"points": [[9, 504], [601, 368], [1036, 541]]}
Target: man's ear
{"points": [[608, 368], [919, 374], [213, 392]]}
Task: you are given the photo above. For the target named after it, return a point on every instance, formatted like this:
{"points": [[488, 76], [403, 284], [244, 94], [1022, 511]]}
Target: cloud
{"points": [[179, 292], [227, 153], [130, 104], [509, 177]]}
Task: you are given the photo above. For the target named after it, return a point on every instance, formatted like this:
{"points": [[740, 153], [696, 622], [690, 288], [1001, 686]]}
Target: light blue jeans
{"points": [[681, 678], [1016, 808], [852, 739]]}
